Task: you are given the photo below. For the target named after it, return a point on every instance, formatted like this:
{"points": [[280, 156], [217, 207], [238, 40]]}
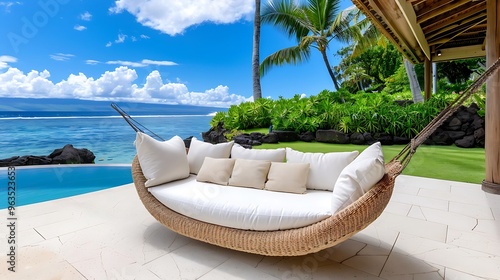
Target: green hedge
{"points": [[364, 112]]}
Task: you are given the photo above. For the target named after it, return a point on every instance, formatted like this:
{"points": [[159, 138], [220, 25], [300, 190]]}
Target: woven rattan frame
{"points": [[292, 242]]}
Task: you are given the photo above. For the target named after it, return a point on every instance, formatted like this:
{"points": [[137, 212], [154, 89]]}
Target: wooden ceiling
{"points": [[437, 29]]}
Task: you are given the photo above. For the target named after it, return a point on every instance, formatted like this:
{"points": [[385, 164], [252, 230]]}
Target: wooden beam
{"points": [[459, 53], [492, 139], [378, 20], [391, 15], [448, 6], [427, 79], [460, 27], [411, 19], [481, 6], [445, 40]]}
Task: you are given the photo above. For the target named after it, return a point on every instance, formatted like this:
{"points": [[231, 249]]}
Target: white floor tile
{"points": [[475, 241], [476, 211], [431, 229], [425, 229], [447, 255], [424, 201]]}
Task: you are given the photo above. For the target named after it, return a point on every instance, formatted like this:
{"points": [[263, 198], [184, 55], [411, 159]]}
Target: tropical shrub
{"points": [[364, 112]]}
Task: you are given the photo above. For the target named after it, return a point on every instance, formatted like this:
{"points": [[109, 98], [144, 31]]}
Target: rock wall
{"points": [[465, 128]]}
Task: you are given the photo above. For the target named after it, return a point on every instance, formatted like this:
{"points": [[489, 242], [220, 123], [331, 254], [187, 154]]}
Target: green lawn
{"points": [[440, 162]]}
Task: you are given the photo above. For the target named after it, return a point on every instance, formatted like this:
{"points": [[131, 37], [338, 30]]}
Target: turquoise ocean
{"points": [[107, 135]]}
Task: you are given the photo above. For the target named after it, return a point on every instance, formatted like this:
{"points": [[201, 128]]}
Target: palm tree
{"points": [[257, 91], [356, 74], [313, 24], [369, 36]]}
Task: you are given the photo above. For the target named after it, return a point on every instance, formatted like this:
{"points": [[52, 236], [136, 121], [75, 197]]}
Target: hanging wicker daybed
{"points": [[309, 239]]}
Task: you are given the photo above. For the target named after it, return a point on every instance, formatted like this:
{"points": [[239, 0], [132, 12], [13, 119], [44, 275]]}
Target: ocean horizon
{"points": [[105, 133]]}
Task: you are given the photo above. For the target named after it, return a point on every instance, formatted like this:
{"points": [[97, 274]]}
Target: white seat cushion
{"points": [[198, 150], [244, 208], [277, 155], [325, 168], [161, 161], [358, 177]]}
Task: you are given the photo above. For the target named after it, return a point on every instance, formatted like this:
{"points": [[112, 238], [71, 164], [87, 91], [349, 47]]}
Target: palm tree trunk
{"points": [[416, 92], [257, 91], [329, 68]]}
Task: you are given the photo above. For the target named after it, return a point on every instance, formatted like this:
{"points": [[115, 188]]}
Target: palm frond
{"points": [[286, 15], [291, 55]]}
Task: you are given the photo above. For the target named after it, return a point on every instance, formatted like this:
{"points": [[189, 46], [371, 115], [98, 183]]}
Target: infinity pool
{"points": [[42, 183]]}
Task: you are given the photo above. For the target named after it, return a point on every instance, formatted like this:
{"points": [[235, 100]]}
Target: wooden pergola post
{"points": [[491, 183]]}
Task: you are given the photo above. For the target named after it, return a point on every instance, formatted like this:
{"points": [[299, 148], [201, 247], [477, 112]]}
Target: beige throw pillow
{"points": [[198, 150], [161, 161], [287, 177], [250, 173], [216, 170]]}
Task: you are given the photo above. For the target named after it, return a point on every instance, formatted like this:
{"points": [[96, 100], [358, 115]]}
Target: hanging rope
{"points": [[132, 122], [405, 155]]}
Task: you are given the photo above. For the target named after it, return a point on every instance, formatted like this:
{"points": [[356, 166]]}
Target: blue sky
{"points": [[174, 51]]}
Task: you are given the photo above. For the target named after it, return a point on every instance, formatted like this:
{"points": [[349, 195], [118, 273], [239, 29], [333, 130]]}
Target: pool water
{"points": [[38, 184]]}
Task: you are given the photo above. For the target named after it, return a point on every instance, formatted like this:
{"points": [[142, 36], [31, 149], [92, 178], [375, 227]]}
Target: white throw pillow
{"points": [[216, 170], [358, 177], [250, 173], [198, 150], [287, 177], [276, 155], [325, 168], [161, 162]]}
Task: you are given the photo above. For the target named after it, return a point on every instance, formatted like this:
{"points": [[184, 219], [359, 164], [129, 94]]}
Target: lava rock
{"points": [[271, 138], [473, 108], [332, 136], [400, 140], [307, 136], [216, 134], [454, 124], [71, 155], [441, 138], [256, 136], [466, 142], [384, 138], [286, 136], [243, 139], [357, 138], [368, 138], [455, 135]]}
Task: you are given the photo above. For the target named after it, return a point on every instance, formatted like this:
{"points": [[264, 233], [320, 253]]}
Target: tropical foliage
{"points": [[313, 23], [375, 113]]}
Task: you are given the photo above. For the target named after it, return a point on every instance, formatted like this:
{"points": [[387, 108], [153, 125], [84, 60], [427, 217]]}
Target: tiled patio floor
{"points": [[431, 229]]}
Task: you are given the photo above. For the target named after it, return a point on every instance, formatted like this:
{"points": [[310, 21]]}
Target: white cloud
{"points": [[108, 44], [173, 17], [121, 38], [79, 27], [144, 36], [143, 63], [116, 85], [126, 63], [86, 16], [7, 5], [5, 60], [92, 62], [61, 56]]}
